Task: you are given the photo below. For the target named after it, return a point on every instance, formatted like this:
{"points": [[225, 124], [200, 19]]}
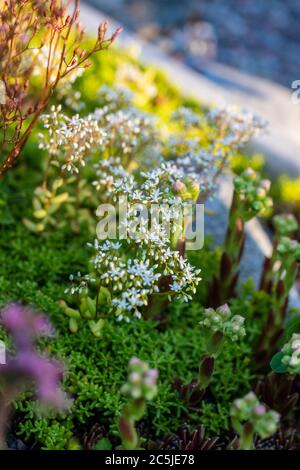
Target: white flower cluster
{"points": [[228, 130], [291, 354], [155, 188], [200, 166], [72, 138], [122, 132], [187, 117], [152, 266], [154, 194], [133, 280], [127, 129], [221, 320], [194, 161], [113, 98], [236, 126], [79, 283], [118, 129], [107, 172], [65, 88], [52, 122]]}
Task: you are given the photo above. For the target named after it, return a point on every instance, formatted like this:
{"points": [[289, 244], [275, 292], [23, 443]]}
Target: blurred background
{"points": [[259, 37]]}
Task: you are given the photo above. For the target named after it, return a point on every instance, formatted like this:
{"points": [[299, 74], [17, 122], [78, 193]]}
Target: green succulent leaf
{"points": [[97, 327], [73, 325], [104, 297], [103, 444], [72, 313], [276, 363]]}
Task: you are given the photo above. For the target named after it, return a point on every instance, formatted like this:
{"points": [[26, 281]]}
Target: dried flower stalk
{"points": [[27, 28]]}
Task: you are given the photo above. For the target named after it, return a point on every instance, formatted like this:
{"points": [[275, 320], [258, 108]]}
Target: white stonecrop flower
{"points": [[71, 138], [187, 117], [111, 173], [225, 130], [200, 166], [117, 128], [106, 172], [78, 136], [79, 283], [127, 129], [238, 126], [132, 281], [74, 140], [150, 261], [114, 98]]}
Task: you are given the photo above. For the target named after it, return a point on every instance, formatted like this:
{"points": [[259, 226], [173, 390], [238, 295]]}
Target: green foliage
{"points": [[36, 273], [293, 325], [35, 270], [215, 417], [103, 444], [242, 161]]}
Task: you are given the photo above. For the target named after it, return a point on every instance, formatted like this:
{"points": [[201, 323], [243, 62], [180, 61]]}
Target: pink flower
{"points": [[27, 366], [24, 325]]}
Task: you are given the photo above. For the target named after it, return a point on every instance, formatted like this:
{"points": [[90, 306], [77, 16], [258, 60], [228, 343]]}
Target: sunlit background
{"points": [[260, 37]]}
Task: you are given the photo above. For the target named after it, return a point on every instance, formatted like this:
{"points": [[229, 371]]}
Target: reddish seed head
{"points": [[116, 34], [102, 30]]}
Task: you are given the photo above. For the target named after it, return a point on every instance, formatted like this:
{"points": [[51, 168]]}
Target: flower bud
{"points": [[221, 320], [249, 411]]}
